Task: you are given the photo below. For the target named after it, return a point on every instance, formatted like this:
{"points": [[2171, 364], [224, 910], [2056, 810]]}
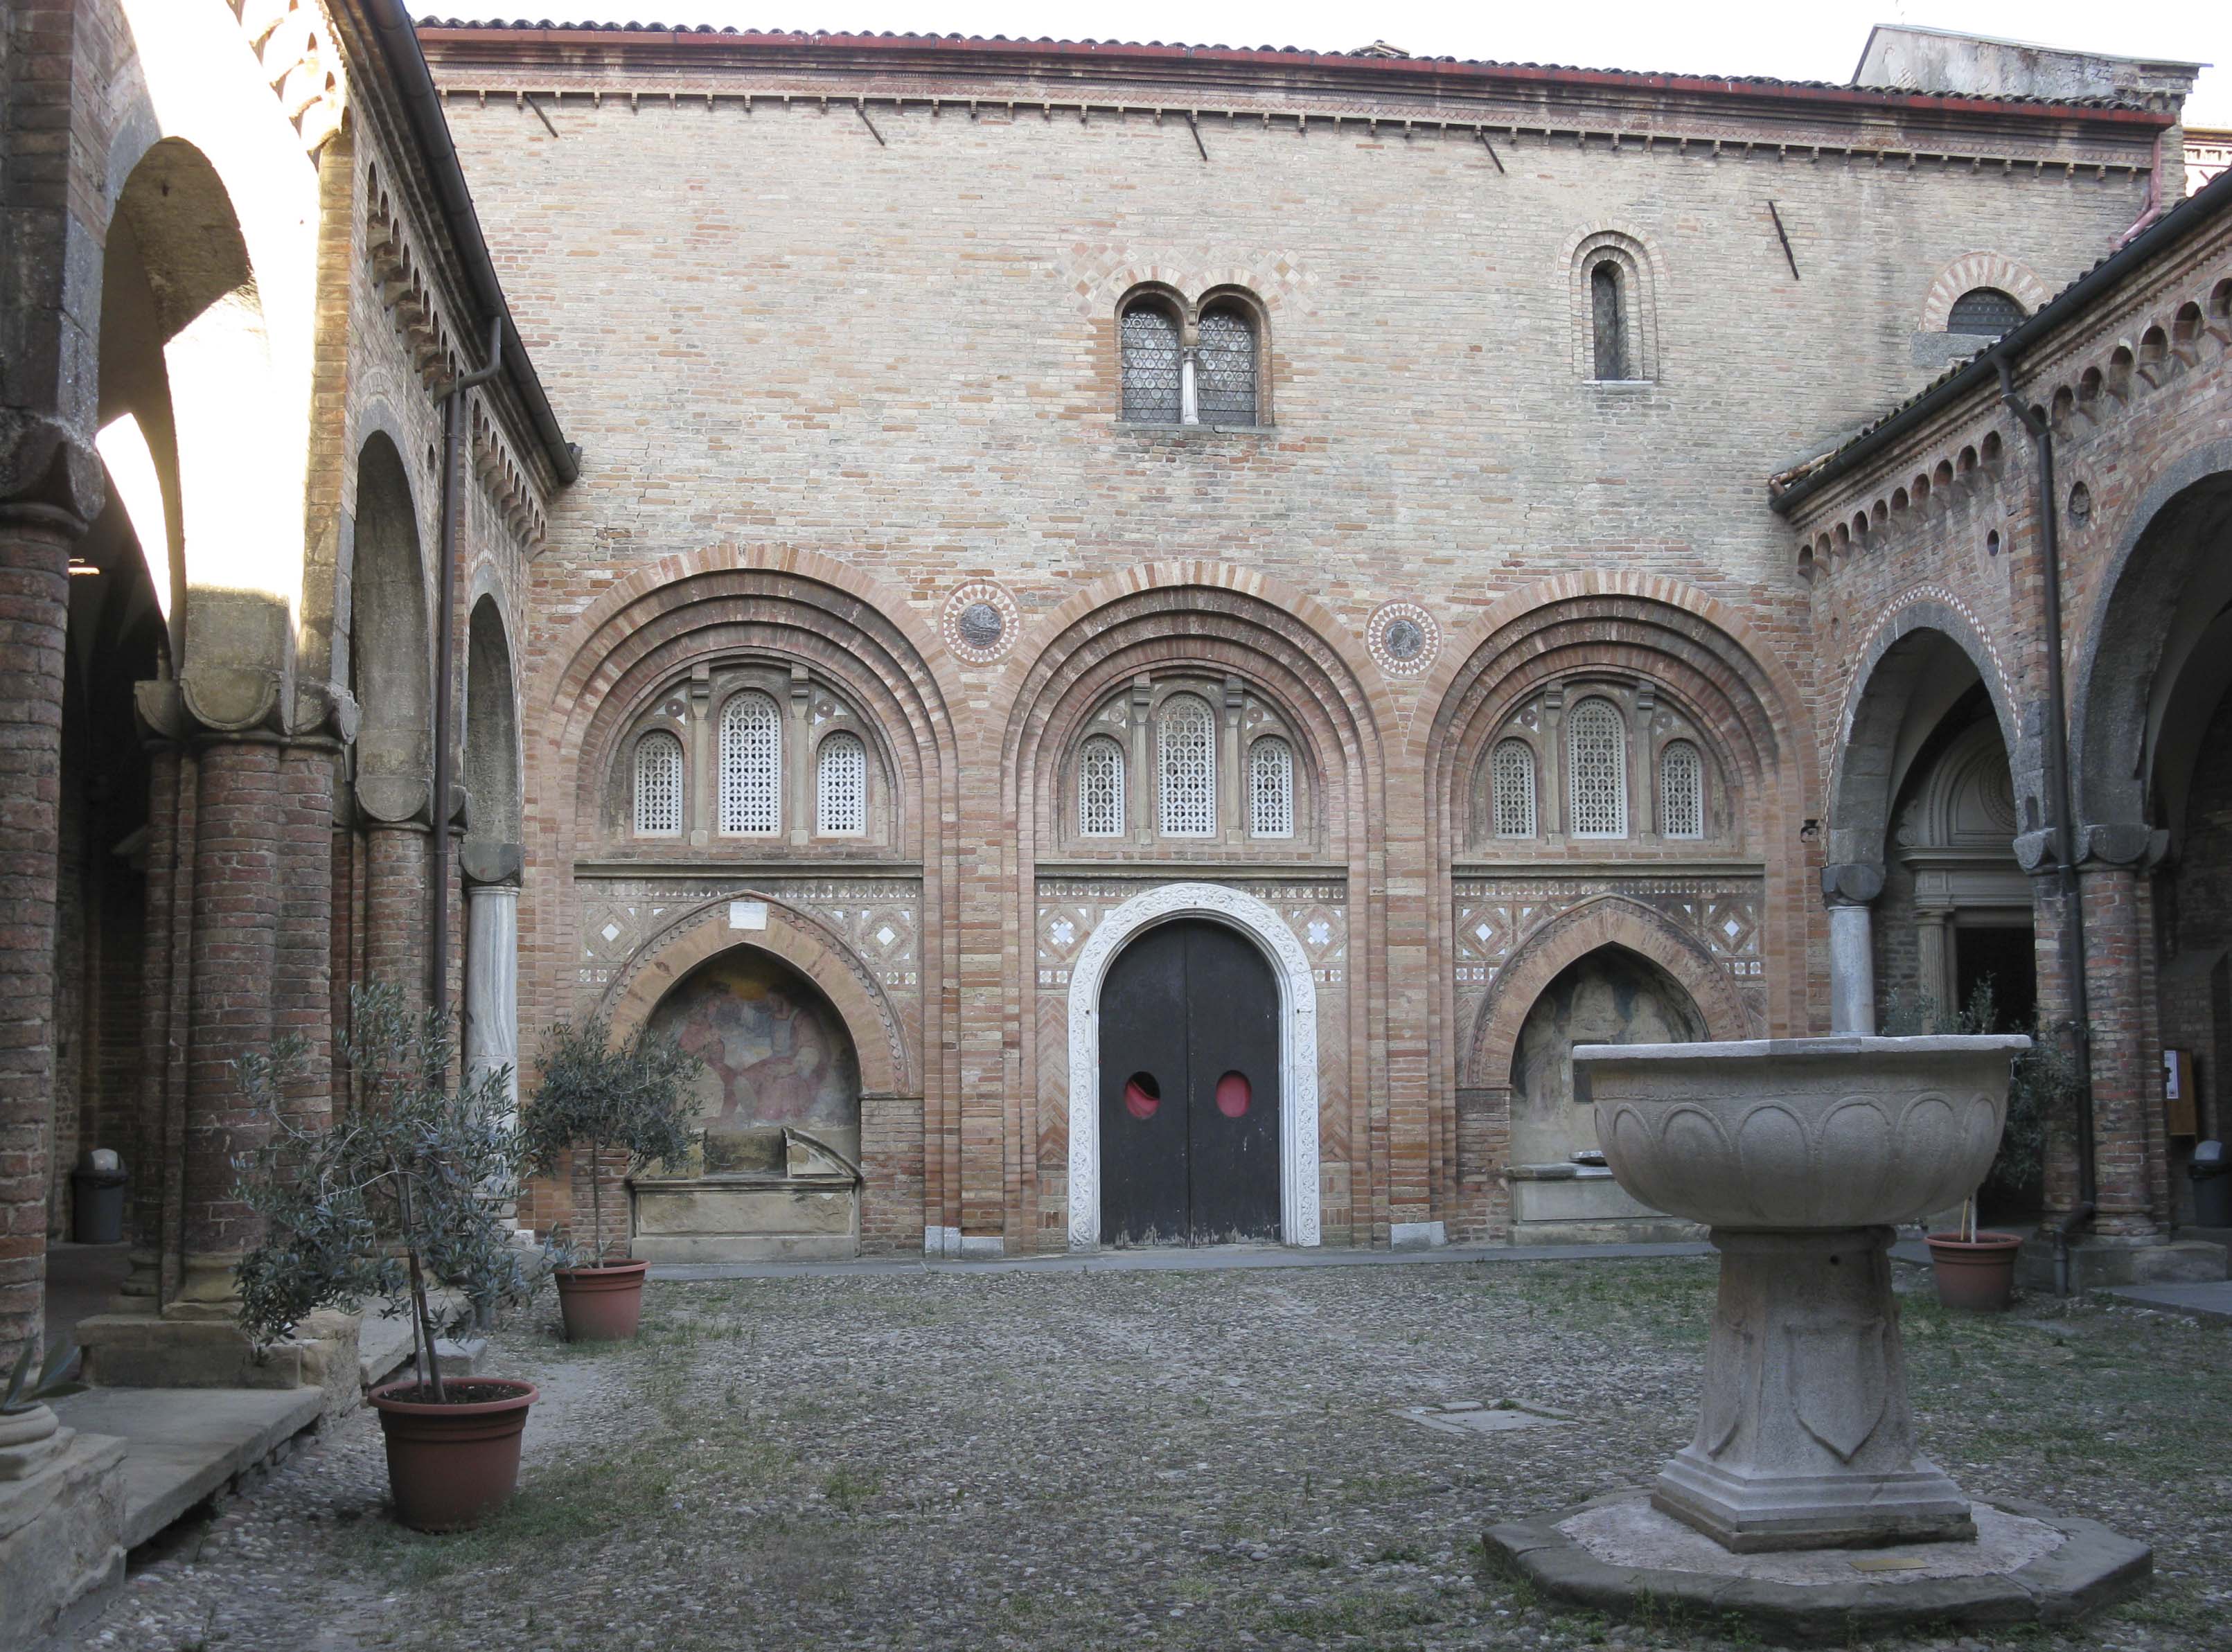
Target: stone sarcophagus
{"points": [[769, 1196]]}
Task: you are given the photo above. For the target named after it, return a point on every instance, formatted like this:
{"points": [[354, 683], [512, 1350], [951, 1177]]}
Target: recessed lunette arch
{"points": [[1603, 921], [766, 924]]}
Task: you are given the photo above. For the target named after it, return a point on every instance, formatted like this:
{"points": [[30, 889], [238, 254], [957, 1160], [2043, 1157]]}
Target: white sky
{"points": [[1790, 39]]}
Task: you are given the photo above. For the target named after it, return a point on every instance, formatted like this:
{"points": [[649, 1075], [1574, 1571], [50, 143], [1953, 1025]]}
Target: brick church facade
{"points": [[1540, 555]]}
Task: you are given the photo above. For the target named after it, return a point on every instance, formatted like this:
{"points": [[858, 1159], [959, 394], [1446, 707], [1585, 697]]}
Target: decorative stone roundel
{"points": [[980, 622], [1403, 639]]}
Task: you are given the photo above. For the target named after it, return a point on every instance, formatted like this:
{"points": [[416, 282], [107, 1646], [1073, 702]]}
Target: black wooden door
{"points": [[1189, 1090]]}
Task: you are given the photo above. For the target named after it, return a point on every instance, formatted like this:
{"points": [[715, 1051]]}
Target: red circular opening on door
{"points": [[1142, 1095], [1233, 1094]]}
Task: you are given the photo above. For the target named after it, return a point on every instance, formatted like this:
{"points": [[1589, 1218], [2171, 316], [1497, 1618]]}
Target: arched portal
{"points": [[776, 1175], [1297, 1046], [1190, 1089]]}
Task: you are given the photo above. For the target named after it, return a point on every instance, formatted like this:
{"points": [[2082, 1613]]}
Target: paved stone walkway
{"points": [[1204, 1460]]}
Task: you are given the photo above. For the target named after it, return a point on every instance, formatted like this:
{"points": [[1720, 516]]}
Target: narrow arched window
{"points": [[1596, 769], [1608, 320], [658, 785], [1151, 394], [1511, 775], [1224, 377], [1681, 791], [1185, 745], [1100, 789], [840, 786], [1271, 788], [1984, 311], [751, 764]]}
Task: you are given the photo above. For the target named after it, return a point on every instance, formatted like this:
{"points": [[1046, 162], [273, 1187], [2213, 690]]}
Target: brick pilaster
{"points": [[239, 897], [395, 871], [34, 545], [2126, 1133]]}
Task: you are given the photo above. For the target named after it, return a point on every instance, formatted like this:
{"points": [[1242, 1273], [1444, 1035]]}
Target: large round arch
{"points": [[1892, 682], [2164, 588], [1299, 1212], [1214, 620]]}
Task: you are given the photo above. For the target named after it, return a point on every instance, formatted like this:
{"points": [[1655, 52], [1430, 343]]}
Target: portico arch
{"points": [[1298, 1047]]}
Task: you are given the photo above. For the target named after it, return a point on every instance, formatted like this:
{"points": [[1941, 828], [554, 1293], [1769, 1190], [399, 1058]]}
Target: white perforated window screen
{"points": [[751, 764], [1596, 769], [1512, 774], [1153, 365], [658, 785], [840, 786], [1271, 788], [1185, 736], [1681, 791], [1100, 789]]}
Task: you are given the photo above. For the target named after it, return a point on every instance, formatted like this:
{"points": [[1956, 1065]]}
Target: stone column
{"points": [[1934, 961], [1550, 795], [35, 550], [491, 1029], [1847, 890]]}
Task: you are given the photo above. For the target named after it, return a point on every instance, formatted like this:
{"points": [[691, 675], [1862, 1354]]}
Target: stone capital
{"points": [[2121, 844], [485, 862], [46, 466], [1852, 882]]}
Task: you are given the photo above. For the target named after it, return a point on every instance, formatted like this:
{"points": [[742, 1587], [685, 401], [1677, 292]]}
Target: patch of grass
{"points": [[849, 1490]]}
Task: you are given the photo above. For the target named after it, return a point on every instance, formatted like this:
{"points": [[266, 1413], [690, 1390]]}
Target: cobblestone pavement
{"points": [[1128, 1460]]}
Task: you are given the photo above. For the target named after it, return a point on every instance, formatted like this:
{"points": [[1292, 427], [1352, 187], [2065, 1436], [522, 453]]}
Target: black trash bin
{"points": [[98, 1181], [2212, 1186]]}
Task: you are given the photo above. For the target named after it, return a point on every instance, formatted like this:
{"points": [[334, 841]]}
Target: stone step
{"points": [[183, 1443]]}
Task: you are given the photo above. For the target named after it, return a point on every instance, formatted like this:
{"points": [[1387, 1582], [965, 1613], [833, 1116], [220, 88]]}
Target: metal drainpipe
{"points": [[445, 657], [2061, 832]]}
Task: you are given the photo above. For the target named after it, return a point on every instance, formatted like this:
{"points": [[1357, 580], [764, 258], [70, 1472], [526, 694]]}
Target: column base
{"points": [[62, 1527], [197, 1345], [2096, 1262], [1756, 1513]]}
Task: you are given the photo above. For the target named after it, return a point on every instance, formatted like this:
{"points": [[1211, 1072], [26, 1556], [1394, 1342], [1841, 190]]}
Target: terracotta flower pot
{"points": [[449, 1465], [602, 1303], [1977, 1273]]}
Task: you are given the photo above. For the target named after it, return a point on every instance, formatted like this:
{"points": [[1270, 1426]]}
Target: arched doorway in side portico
{"points": [[1137, 994]]}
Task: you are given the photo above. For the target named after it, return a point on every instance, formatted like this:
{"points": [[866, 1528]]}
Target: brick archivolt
{"points": [[1605, 920], [1973, 269], [801, 939]]}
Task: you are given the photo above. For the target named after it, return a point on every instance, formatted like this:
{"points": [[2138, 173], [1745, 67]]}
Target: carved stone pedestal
{"points": [[1805, 1439]]}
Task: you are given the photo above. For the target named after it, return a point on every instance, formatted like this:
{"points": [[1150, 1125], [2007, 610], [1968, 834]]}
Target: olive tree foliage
{"points": [[409, 1183], [636, 1098]]}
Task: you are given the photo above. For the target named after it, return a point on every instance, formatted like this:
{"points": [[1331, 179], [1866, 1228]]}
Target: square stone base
{"points": [[61, 1539], [1581, 1204], [1762, 1513]]}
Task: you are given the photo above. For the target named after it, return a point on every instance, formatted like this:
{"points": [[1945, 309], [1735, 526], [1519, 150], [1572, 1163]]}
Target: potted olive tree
{"points": [[634, 1099], [405, 1186]]}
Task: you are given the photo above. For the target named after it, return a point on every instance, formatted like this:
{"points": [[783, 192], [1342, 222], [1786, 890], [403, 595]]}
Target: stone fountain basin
{"points": [[1800, 1133]]}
